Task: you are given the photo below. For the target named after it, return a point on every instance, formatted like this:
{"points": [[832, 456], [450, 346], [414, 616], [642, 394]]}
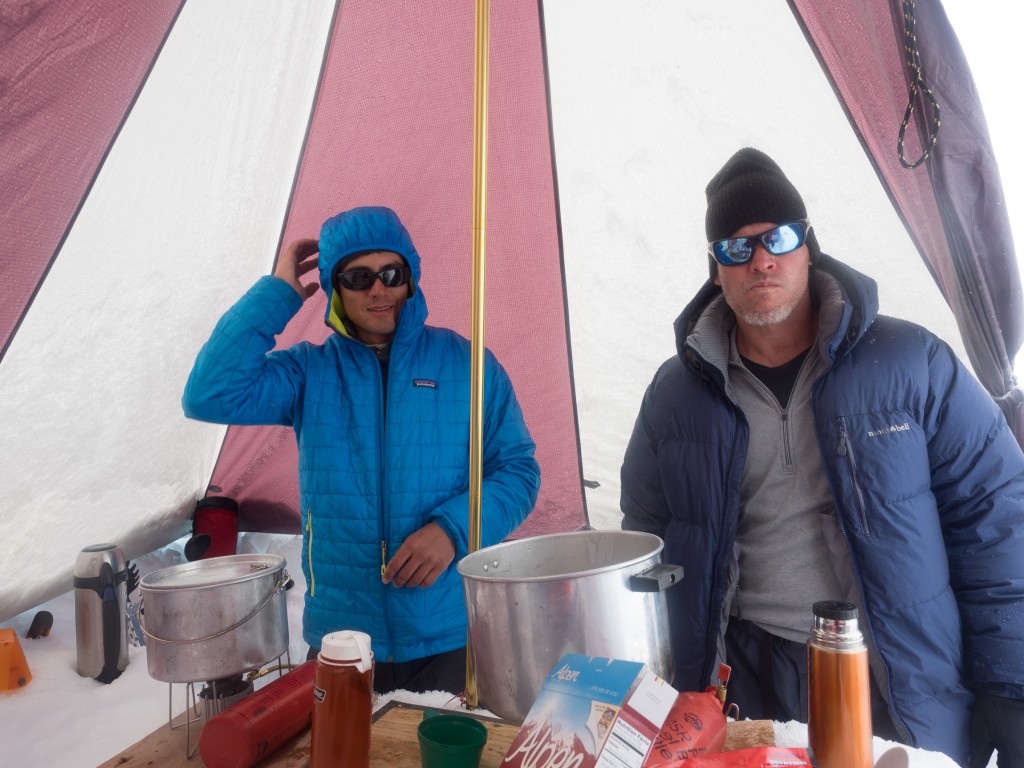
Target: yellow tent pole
{"points": [[480, 89]]}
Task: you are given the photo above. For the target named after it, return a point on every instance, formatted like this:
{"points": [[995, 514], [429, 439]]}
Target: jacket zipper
{"points": [[845, 449], [309, 550], [384, 527], [715, 619], [786, 447]]}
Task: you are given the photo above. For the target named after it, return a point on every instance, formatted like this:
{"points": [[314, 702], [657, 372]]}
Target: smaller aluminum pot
{"points": [[214, 618], [531, 601]]}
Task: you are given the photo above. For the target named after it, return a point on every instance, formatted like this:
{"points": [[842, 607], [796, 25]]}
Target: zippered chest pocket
{"points": [[881, 462]]}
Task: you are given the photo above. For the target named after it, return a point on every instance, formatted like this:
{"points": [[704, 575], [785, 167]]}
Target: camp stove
{"points": [[218, 695], [214, 696]]}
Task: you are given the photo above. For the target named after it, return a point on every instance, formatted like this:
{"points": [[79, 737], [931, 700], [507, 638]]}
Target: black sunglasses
{"points": [[779, 240], [363, 279]]}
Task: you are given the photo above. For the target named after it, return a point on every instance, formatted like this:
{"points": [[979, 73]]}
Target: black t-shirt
{"points": [[779, 379]]}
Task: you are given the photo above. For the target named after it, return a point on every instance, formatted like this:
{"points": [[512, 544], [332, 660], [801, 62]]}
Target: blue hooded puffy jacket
{"points": [[367, 482]]}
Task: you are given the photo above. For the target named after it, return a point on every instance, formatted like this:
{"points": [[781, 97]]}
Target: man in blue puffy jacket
{"points": [[801, 447], [381, 415]]}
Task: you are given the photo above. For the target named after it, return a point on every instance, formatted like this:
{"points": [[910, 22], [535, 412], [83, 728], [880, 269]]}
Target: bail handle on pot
{"points": [[283, 582]]}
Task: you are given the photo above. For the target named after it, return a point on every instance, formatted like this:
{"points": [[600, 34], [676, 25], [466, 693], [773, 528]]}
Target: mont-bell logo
{"points": [[891, 429]]}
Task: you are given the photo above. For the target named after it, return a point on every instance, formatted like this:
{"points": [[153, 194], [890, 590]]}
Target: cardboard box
{"points": [[592, 712]]}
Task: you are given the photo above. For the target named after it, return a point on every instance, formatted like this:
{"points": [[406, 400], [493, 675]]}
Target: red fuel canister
{"points": [[248, 731]]}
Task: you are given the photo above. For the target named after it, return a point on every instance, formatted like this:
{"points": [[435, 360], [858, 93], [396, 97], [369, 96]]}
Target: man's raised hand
{"points": [[297, 259]]}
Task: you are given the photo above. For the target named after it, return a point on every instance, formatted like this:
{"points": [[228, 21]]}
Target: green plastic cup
{"points": [[451, 741]]}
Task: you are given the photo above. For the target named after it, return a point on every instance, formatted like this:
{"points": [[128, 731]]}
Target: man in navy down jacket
{"points": [[381, 415], [802, 447]]}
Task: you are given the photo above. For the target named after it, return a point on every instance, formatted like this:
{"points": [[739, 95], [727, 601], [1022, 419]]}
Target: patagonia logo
{"points": [[429, 383], [892, 428]]}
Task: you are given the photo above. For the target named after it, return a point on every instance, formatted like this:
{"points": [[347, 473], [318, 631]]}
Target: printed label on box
{"points": [[592, 712]]}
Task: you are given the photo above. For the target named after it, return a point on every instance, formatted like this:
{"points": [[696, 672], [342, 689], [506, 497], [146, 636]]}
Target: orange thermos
{"points": [[839, 693]]}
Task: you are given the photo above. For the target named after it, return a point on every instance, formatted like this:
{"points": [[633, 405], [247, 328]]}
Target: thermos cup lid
{"points": [[835, 610], [99, 547], [91, 559], [217, 502], [348, 646]]}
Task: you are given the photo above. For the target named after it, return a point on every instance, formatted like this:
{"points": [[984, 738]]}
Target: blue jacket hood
{"points": [[366, 228]]}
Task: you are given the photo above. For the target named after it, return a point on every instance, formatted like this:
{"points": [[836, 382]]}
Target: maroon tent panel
{"points": [[877, 54], [69, 73], [393, 125]]}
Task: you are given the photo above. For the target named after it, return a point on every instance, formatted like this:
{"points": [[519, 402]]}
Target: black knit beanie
{"points": [[750, 188]]}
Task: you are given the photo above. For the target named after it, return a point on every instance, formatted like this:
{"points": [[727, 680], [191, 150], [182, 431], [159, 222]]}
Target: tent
{"points": [[155, 157]]}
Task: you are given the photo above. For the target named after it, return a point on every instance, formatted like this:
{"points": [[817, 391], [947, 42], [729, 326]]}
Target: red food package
{"points": [[753, 757], [695, 726]]}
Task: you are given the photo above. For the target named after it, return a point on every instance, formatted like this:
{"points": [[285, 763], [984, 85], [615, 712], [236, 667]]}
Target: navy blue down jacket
{"points": [[928, 485], [369, 478]]}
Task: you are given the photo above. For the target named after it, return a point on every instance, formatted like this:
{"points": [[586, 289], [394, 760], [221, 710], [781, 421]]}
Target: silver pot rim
{"points": [[213, 572], [471, 565]]}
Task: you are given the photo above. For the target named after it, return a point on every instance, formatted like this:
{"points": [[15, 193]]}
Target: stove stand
{"points": [[215, 696]]}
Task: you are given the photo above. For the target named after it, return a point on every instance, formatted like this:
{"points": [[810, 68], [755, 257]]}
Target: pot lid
{"points": [[213, 571]]}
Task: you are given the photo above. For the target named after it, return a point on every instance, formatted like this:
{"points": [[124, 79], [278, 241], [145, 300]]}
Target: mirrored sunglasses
{"points": [[363, 279], [778, 241]]}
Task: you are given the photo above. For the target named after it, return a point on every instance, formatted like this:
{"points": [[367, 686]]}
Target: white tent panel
{"points": [[184, 215]]}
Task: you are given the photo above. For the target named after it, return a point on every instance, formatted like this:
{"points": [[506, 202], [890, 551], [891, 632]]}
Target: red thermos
{"points": [[246, 732]]}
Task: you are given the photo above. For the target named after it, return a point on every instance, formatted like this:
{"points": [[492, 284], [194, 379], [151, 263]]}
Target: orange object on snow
{"points": [[14, 671]]}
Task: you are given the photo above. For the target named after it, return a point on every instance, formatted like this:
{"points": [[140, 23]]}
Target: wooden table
{"points": [[393, 743]]}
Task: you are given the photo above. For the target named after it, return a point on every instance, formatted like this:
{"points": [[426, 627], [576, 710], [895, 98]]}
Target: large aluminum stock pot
{"points": [[532, 601], [214, 618]]}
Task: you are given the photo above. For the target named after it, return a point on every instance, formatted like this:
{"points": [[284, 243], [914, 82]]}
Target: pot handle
{"points": [[657, 578], [282, 583]]}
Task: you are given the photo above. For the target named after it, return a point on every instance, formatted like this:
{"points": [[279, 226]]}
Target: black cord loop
{"points": [[917, 84]]}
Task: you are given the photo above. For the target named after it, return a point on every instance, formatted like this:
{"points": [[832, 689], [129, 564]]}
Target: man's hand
{"points": [[421, 558], [296, 260]]}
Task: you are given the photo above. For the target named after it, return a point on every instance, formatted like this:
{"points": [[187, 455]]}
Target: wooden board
{"points": [[749, 733], [393, 743]]}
